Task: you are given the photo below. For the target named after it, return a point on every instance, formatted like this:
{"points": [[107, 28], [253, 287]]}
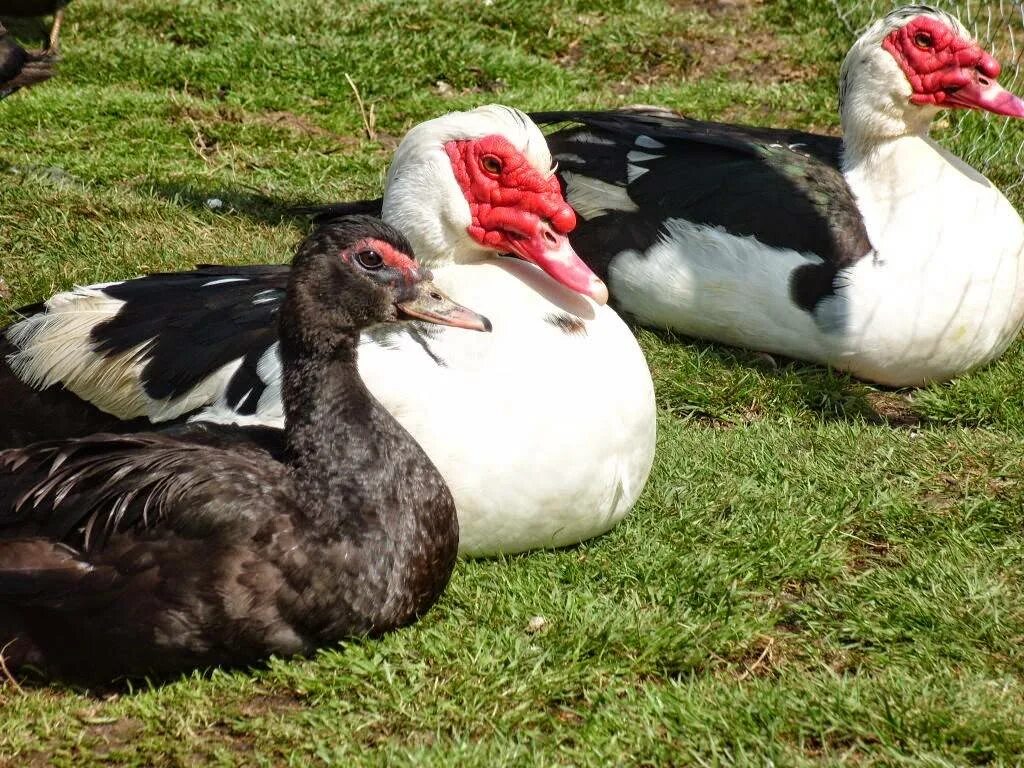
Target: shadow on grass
{"points": [[739, 394], [222, 200]]}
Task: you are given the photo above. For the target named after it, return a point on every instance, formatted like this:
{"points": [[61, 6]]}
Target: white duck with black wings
{"points": [[544, 429], [879, 253]]}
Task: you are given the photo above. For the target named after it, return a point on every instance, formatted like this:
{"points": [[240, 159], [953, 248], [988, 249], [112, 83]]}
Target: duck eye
{"points": [[923, 40], [369, 259], [491, 164]]}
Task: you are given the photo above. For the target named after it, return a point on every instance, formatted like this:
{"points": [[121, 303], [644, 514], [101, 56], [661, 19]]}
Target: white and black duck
{"points": [[543, 429], [880, 253], [152, 554]]}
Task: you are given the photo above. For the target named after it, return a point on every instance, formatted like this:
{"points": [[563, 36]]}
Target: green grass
{"points": [[818, 571]]}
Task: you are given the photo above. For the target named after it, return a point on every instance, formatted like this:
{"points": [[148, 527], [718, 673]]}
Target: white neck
{"points": [[874, 104]]}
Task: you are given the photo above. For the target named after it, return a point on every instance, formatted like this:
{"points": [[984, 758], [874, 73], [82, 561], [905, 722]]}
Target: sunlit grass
{"points": [[818, 570]]}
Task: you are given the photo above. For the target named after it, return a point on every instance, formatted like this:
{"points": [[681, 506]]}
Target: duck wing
{"points": [[79, 493], [158, 347], [628, 172], [140, 554]]}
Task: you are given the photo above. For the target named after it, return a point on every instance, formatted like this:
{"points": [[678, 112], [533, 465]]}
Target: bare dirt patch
{"points": [[785, 647], [893, 408], [223, 114], [978, 476], [297, 124], [736, 48], [869, 554], [33, 760], [110, 734], [270, 704], [702, 38]]}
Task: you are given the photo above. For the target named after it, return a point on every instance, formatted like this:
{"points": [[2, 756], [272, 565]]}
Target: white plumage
{"points": [[545, 437]]}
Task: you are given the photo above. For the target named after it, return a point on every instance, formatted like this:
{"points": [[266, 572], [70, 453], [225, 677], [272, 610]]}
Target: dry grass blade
{"points": [[7, 676], [369, 117]]}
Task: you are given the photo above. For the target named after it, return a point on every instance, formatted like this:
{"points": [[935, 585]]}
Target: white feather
{"points": [[646, 142], [592, 198]]}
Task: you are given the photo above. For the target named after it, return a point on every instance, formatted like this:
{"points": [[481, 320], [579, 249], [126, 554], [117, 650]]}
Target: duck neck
{"points": [[334, 427], [359, 472], [876, 118], [864, 135], [892, 167]]}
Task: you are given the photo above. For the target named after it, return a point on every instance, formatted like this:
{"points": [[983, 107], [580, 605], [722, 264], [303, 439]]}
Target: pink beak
{"points": [[985, 93], [552, 252]]}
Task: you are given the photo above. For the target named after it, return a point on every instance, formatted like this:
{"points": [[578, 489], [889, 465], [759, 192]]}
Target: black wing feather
{"points": [[322, 213], [667, 127], [195, 325], [80, 492], [783, 187]]}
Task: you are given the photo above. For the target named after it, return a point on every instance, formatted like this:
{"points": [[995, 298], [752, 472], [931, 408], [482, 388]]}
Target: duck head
{"points": [[370, 265], [470, 185], [908, 65]]}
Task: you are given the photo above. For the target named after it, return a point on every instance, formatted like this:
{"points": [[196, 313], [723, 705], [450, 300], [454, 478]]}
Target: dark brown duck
{"points": [[158, 553]]}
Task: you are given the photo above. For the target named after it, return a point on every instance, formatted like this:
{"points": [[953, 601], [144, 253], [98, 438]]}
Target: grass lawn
{"points": [[818, 571]]}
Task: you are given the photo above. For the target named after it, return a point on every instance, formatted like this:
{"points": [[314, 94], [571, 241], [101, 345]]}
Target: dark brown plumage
{"points": [[31, 7], [157, 553], [20, 68]]}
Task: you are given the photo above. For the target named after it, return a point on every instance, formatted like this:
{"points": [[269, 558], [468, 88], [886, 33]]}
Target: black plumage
{"points": [[29, 414], [156, 553], [232, 318], [328, 211], [31, 7], [718, 175]]}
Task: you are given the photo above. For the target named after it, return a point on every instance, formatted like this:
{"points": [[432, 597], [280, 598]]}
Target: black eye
{"points": [[491, 164], [369, 259], [923, 40]]}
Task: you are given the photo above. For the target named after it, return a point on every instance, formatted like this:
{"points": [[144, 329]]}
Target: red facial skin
{"points": [[947, 70], [391, 256], [517, 210]]}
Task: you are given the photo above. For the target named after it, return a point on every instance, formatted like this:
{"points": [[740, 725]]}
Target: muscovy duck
{"points": [[20, 68], [151, 554], [880, 254], [543, 429]]}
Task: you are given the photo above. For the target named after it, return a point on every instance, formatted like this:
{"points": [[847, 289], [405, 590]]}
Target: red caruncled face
{"points": [[517, 210], [948, 70]]}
